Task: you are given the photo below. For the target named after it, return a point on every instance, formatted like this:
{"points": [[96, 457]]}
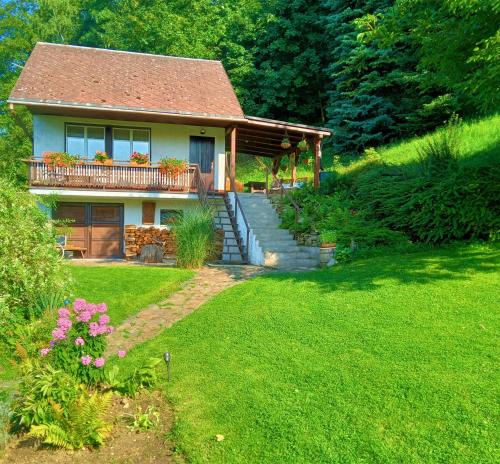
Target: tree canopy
{"points": [[372, 70]]}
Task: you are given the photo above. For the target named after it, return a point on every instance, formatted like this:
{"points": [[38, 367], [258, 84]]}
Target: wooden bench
{"points": [[75, 248]]}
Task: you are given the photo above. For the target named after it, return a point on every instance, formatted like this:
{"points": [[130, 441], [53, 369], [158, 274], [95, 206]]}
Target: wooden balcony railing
{"points": [[90, 175]]}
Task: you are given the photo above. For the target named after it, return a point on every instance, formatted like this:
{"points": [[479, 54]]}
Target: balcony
{"points": [[117, 176]]}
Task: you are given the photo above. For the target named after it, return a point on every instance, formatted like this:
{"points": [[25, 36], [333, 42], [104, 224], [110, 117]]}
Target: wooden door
{"points": [[202, 152], [98, 227], [106, 230]]}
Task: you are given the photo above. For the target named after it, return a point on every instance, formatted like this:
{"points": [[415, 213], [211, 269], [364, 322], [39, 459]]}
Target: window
{"points": [[126, 141], [84, 140]]}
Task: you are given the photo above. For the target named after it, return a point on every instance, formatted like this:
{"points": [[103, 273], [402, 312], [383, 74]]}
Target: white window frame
{"points": [[85, 138], [131, 137]]}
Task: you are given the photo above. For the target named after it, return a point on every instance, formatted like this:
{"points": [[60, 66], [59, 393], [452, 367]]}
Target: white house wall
{"points": [[167, 140]]}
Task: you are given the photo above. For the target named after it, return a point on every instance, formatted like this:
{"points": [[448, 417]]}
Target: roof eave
{"points": [[123, 109]]}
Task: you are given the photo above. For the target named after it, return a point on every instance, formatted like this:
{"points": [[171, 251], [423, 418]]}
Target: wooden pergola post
{"points": [[293, 167], [317, 160], [232, 160]]}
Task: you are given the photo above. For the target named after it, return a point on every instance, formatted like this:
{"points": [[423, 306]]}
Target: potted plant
{"points": [[172, 166], [328, 239], [56, 159], [101, 157], [139, 159], [302, 145], [285, 143]]}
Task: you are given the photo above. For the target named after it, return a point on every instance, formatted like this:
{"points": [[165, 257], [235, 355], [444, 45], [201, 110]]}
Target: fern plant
{"points": [[84, 423]]}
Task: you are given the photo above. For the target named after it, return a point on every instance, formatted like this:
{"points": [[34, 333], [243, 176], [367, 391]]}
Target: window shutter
{"points": [[148, 212]]}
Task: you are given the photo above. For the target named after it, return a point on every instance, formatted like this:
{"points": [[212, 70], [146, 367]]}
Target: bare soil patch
{"points": [[123, 446]]}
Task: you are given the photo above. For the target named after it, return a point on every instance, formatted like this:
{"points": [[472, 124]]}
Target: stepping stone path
{"points": [[152, 320]]}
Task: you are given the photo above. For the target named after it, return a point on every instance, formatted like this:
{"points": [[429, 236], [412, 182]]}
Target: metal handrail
{"points": [[237, 203]]}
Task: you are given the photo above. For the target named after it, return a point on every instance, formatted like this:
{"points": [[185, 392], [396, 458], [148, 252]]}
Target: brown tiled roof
{"points": [[135, 81]]}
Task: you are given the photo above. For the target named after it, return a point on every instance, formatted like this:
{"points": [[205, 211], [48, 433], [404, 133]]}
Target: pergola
{"points": [[263, 137]]}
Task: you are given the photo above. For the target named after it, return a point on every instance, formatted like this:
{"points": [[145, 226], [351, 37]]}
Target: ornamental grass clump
{"points": [[195, 237]]}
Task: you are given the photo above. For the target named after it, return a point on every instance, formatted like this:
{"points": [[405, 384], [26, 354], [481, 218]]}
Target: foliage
{"points": [[328, 236], [101, 156], [55, 159], [139, 158], [30, 267], [194, 237], [84, 423], [172, 166], [143, 421], [440, 197], [288, 81], [144, 376], [42, 387], [5, 414]]}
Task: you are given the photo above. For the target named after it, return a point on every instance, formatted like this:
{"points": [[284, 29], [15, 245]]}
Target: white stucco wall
{"points": [[132, 207], [167, 140]]}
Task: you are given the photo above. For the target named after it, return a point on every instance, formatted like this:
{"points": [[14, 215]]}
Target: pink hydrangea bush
{"points": [[79, 341]]}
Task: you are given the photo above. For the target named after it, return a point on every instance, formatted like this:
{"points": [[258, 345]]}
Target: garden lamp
{"points": [[166, 358]]}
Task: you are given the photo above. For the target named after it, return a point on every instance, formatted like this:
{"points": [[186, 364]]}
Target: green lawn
{"points": [[388, 360], [126, 289]]}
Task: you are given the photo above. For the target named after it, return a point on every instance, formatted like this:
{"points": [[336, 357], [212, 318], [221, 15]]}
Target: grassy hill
{"points": [[479, 142]]}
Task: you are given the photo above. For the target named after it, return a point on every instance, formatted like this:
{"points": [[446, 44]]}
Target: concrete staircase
{"points": [[224, 219], [279, 249]]}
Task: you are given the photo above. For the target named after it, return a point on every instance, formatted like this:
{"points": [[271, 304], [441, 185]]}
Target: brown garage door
{"points": [[95, 226]]}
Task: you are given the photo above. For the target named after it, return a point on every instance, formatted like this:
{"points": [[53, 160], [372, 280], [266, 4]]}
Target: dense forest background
{"points": [[372, 70]]}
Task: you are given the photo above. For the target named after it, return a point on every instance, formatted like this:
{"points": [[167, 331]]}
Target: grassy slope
{"points": [[478, 139], [126, 289], [388, 360]]}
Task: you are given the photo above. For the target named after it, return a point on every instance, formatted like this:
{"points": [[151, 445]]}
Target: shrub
{"points": [[52, 405], [79, 341], [81, 423], [30, 266], [442, 150], [195, 237], [42, 387]]}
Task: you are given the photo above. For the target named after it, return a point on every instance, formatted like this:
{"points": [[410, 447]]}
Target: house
{"points": [[86, 101]]}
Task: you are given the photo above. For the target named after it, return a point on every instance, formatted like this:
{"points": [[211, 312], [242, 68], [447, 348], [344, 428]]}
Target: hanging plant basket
{"points": [[302, 145], [285, 143]]}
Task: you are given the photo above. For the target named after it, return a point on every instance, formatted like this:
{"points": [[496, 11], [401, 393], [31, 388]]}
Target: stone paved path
{"points": [[152, 320]]}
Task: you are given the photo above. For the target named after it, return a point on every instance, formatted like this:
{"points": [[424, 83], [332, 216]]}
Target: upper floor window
{"points": [[84, 140], [126, 141]]}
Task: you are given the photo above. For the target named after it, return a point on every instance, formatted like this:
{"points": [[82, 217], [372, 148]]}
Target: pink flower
{"points": [[94, 329], [64, 313], [64, 324], [101, 308], [84, 316], [110, 329], [86, 360], [99, 362], [91, 308], [79, 305], [121, 353], [104, 319], [79, 341], [59, 334], [44, 351]]}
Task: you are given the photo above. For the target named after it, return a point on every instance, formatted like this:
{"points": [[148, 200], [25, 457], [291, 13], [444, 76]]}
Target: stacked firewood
{"points": [[137, 237]]}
